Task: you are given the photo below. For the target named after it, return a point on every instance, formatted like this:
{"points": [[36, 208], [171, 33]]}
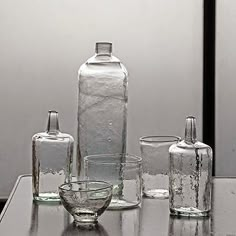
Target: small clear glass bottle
{"points": [[190, 175], [102, 105], [52, 154]]}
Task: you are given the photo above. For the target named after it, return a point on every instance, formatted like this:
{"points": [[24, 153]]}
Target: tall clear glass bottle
{"points": [[52, 154], [190, 174], [102, 104]]}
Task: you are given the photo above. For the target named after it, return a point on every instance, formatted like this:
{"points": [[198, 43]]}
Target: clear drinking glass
{"points": [[123, 171], [155, 155], [102, 105]]}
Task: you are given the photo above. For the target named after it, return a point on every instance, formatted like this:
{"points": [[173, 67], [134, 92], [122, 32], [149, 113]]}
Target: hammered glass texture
{"points": [[52, 154], [102, 105], [155, 155], [127, 191], [190, 175], [86, 200]]}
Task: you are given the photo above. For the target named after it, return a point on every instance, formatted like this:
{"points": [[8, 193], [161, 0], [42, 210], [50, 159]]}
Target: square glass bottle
{"points": [[52, 154], [190, 175]]}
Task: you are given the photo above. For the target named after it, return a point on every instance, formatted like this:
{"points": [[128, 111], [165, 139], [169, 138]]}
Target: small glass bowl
{"points": [[85, 200]]}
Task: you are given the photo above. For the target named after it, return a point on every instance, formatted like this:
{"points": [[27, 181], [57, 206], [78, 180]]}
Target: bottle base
{"points": [[47, 197], [122, 204], [189, 212], [156, 193]]}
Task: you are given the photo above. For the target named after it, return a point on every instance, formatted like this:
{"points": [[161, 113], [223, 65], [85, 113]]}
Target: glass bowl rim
{"points": [[166, 138], [108, 185], [137, 160]]}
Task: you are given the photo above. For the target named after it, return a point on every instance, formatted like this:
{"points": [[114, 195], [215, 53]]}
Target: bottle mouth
{"points": [[190, 129], [52, 111], [103, 48], [53, 123]]}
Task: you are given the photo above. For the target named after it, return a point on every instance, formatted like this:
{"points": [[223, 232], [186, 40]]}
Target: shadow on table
{"points": [[72, 230]]}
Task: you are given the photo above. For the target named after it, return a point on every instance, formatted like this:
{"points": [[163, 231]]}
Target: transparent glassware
{"points": [[186, 226], [190, 176], [52, 154], [155, 154], [127, 186], [86, 200], [102, 105]]}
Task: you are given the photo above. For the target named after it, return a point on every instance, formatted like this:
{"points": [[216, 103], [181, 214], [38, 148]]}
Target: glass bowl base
{"points": [[156, 193], [86, 224], [85, 218], [189, 212]]}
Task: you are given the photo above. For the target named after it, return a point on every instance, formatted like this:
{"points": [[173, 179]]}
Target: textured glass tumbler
{"points": [[123, 171], [155, 155]]}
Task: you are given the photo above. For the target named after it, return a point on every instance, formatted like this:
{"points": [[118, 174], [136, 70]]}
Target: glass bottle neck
{"points": [[190, 130], [103, 48], [53, 124]]}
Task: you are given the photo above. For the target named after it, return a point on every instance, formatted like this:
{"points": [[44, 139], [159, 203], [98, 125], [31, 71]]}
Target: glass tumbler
{"points": [[123, 171], [155, 156]]}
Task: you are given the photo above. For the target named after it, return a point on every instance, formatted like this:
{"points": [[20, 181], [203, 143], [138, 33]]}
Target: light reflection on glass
{"points": [[185, 226], [48, 219], [122, 223]]}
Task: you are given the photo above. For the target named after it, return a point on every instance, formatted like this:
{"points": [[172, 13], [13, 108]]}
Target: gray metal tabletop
{"points": [[23, 217]]}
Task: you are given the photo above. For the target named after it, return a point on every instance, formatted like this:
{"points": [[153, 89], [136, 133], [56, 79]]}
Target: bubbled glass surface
{"points": [[86, 200], [123, 171], [52, 153], [102, 104], [190, 175]]}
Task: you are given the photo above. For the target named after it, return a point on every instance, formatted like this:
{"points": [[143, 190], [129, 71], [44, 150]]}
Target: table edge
{"points": [[4, 210]]}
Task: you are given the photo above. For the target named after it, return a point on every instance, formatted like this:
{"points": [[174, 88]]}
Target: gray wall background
{"points": [[43, 43], [225, 88]]}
